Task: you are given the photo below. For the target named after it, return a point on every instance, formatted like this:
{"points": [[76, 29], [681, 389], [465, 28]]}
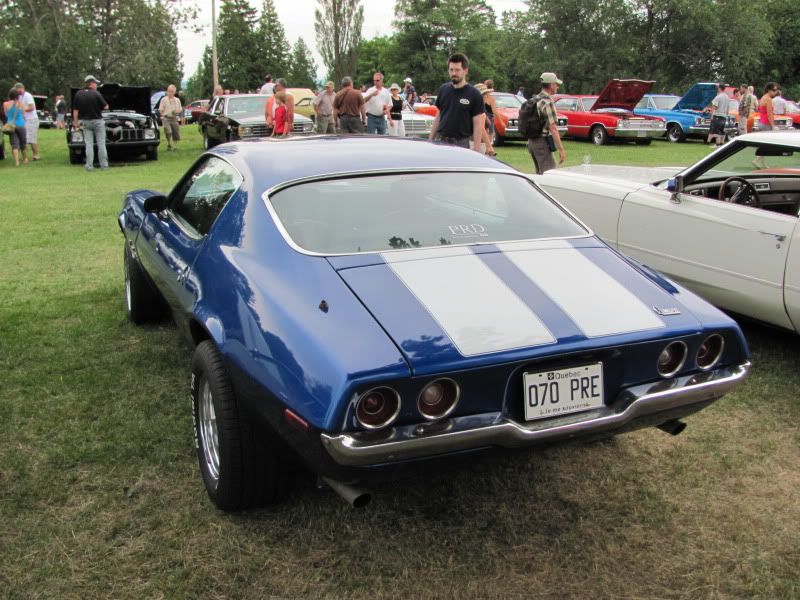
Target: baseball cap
{"points": [[550, 78], [91, 79], [407, 80], [329, 84]]}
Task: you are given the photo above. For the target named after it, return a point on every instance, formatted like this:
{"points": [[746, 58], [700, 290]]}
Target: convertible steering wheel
{"points": [[746, 193]]}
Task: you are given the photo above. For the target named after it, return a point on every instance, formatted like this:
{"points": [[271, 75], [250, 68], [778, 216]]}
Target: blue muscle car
{"points": [[363, 303], [686, 119]]}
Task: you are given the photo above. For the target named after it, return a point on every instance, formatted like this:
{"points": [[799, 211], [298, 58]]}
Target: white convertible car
{"points": [[726, 227]]}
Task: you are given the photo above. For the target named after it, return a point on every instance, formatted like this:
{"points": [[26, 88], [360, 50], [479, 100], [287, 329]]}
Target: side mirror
{"points": [[675, 185], [156, 203]]}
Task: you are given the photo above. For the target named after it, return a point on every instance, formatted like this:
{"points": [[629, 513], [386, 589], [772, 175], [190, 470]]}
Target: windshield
{"points": [[588, 103], [666, 102], [246, 105], [755, 160], [417, 210], [507, 101]]}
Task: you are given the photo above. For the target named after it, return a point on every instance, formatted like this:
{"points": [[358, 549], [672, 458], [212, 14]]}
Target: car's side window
{"points": [[220, 107], [566, 104], [204, 194], [303, 102]]}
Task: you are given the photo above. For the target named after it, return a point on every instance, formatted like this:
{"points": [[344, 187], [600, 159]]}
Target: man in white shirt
{"points": [[719, 115], [31, 120], [378, 101], [779, 104], [269, 87]]}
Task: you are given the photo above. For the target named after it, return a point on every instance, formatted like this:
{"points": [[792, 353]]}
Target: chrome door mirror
{"points": [[675, 185]]}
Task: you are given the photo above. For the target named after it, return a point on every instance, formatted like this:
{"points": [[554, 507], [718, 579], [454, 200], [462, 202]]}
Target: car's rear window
{"points": [[417, 210]]}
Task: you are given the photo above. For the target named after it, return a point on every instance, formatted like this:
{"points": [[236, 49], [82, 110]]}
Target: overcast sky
{"points": [[297, 17]]}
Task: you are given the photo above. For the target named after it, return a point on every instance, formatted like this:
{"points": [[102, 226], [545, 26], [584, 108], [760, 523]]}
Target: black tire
{"points": [[207, 143], [240, 470], [498, 140], [143, 304], [75, 158], [646, 142], [675, 133], [152, 153], [598, 135]]}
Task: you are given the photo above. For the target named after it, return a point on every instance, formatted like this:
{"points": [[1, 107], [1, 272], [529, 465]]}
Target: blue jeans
{"points": [[376, 124], [95, 129]]}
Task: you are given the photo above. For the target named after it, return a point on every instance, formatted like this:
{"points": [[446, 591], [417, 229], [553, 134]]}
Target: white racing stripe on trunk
{"points": [[595, 301], [470, 303]]}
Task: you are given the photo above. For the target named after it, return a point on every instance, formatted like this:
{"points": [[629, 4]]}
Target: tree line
{"points": [[52, 44]]}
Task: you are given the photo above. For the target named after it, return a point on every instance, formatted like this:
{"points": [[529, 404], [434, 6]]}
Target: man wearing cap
{"points": [[323, 108], [541, 145], [461, 111], [87, 112], [409, 91], [377, 101], [31, 120]]}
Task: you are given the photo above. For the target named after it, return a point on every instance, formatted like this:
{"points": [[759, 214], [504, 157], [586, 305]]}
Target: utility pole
{"points": [[214, 71]]}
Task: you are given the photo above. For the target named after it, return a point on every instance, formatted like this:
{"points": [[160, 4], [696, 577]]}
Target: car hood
{"points": [[122, 97], [449, 307], [697, 97], [622, 93], [632, 175]]}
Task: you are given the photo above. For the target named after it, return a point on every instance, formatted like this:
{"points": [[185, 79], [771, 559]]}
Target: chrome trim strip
{"points": [[493, 429]]}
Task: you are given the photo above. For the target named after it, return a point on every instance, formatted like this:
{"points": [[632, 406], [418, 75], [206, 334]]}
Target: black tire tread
{"points": [[147, 305], [252, 470]]}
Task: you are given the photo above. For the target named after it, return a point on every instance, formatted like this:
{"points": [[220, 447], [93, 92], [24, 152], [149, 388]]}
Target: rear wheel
{"points": [[675, 133], [152, 153], [240, 470], [142, 303], [599, 135], [207, 143]]}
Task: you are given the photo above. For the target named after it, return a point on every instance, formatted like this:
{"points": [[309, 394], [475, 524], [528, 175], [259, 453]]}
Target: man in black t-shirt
{"points": [[461, 111], [87, 113]]}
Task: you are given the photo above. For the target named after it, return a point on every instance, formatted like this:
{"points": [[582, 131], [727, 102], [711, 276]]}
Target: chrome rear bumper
{"points": [[493, 429]]}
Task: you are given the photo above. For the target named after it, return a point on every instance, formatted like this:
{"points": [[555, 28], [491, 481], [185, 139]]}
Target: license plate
{"points": [[563, 391], [641, 133]]}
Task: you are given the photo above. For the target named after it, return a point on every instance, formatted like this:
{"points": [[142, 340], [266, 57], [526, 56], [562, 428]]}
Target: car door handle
{"points": [[182, 275], [779, 237]]}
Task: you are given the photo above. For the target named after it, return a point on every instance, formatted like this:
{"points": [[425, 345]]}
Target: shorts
{"points": [[18, 141], [171, 128], [32, 131], [718, 125]]}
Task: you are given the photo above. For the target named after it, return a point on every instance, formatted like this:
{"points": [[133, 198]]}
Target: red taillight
{"points": [[710, 351], [438, 398], [378, 407], [671, 359]]}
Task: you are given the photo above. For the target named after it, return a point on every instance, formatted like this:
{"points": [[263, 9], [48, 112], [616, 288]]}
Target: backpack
{"points": [[531, 120]]}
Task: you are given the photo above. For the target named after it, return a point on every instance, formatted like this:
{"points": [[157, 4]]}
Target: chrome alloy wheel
{"points": [[128, 285], [209, 439]]}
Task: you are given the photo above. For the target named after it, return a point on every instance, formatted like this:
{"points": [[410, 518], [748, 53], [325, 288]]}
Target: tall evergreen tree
{"points": [[303, 69], [273, 45], [238, 46], [337, 24]]}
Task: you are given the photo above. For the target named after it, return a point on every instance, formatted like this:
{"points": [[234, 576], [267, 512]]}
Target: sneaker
{"points": [[89, 168]]}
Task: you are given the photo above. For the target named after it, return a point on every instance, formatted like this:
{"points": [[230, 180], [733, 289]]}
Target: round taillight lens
{"points": [[378, 407], [710, 351], [438, 398], [671, 359]]}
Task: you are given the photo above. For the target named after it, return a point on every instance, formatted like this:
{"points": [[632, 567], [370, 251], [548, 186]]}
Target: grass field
{"points": [[100, 495]]}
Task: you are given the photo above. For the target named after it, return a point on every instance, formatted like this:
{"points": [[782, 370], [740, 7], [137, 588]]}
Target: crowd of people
{"points": [[465, 113]]}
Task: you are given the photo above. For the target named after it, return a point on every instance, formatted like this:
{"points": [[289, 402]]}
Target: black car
{"points": [[235, 117], [45, 118], [130, 129]]}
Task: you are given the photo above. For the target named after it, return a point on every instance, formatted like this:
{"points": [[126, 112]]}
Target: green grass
{"points": [[100, 495]]}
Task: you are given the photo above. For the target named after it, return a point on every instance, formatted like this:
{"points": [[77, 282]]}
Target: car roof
{"points": [[777, 138], [269, 162]]}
